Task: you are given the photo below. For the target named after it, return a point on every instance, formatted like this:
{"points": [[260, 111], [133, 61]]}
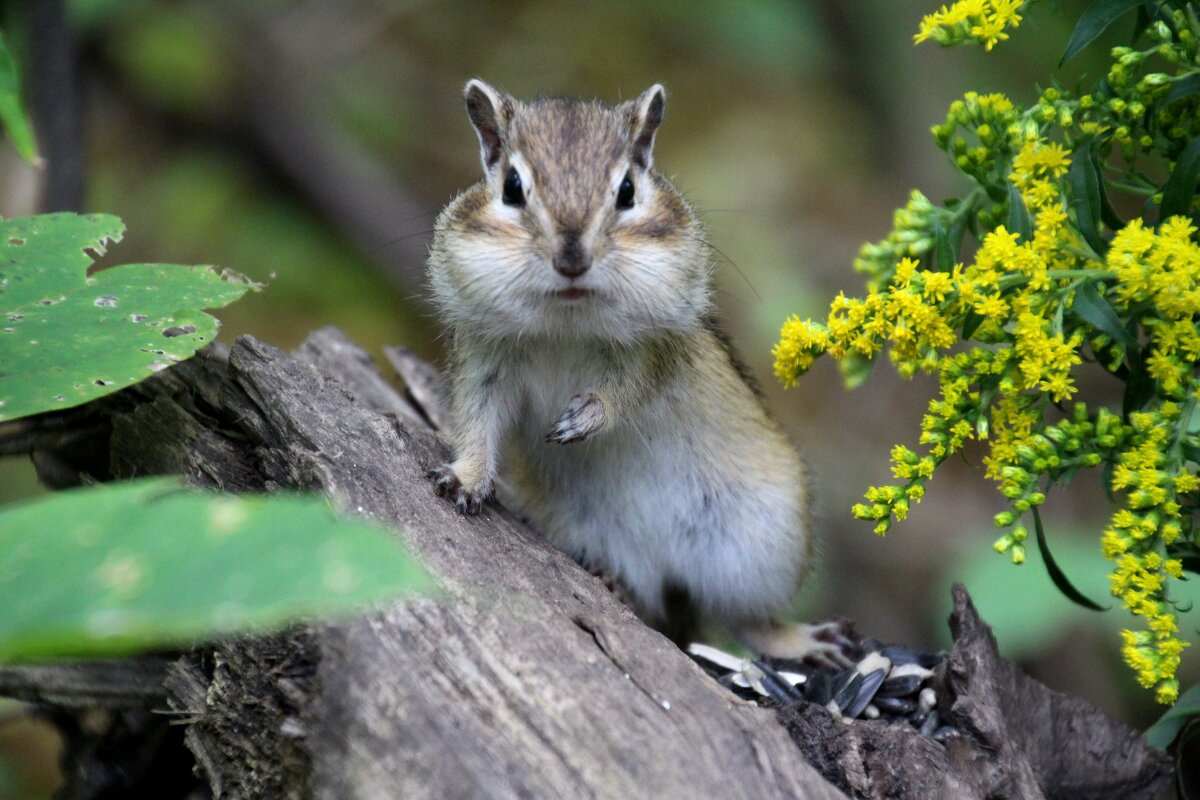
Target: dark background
{"points": [[310, 144]]}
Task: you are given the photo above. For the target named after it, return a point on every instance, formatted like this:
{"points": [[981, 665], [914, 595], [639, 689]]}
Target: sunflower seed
{"points": [[794, 678], [872, 662], [900, 687], [900, 706], [819, 689], [775, 685], [904, 670], [902, 655], [941, 734], [714, 656], [849, 691], [869, 685]]}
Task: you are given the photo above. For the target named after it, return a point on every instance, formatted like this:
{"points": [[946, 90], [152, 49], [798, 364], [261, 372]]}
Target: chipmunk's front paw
{"points": [[582, 420], [466, 501], [826, 645]]}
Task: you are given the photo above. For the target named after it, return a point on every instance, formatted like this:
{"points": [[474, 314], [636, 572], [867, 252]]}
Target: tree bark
{"points": [[522, 677]]}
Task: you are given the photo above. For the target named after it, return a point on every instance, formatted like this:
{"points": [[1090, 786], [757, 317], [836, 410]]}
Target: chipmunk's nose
{"points": [[571, 261]]}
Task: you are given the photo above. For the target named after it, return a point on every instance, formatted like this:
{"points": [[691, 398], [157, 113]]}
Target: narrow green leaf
{"points": [[67, 338], [1180, 188], [1018, 215], [12, 113], [1085, 198], [116, 568], [955, 235], [1093, 22], [1139, 386], [1184, 87], [944, 253], [1108, 214], [1092, 308], [1055, 572], [971, 323], [1186, 709], [1142, 22], [1106, 476]]}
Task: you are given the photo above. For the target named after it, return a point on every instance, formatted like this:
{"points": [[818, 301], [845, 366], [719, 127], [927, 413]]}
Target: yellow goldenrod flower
{"points": [[983, 21]]}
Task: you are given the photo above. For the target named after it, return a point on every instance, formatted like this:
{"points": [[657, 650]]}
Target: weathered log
{"points": [[523, 676]]}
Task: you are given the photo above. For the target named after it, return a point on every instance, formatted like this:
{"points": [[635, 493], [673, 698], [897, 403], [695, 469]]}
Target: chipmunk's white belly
{"points": [[677, 494]]}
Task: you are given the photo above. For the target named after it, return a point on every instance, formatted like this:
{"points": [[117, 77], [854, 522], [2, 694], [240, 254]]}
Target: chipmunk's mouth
{"points": [[573, 293]]}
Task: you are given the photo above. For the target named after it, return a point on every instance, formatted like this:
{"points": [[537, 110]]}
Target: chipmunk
{"points": [[589, 373]]}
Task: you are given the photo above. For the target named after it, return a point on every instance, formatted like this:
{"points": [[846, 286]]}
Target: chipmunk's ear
{"points": [[490, 111], [647, 115]]}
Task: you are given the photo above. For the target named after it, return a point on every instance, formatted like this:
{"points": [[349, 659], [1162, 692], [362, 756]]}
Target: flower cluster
{"points": [[1148, 471], [1057, 280], [983, 21]]}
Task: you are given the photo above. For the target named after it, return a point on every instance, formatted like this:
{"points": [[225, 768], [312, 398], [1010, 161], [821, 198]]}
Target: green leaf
{"points": [[1184, 87], [1106, 476], [1055, 572], [971, 323], [856, 369], [67, 337], [1092, 308], [1139, 386], [1085, 198], [1093, 22], [12, 113], [1018, 215], [944, 252], [1108, 214], [116, 568], [1180, 188], [1186, 709]]}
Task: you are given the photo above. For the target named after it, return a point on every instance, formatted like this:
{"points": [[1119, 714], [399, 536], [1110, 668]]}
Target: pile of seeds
{"points": [[889, 683]]}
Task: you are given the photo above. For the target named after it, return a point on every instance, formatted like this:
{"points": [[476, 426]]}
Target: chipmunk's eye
{"points": [[514, 193], [625, 193]]}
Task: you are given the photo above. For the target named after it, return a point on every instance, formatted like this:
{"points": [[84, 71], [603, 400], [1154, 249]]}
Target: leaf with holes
{"points": [[67, 337], [117, 568]]}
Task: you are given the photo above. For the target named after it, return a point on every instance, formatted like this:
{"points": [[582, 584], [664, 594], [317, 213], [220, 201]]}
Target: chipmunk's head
{"points": [[571, 232]]}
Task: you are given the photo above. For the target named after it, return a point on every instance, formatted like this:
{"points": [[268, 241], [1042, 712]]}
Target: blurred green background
{"points": [[311, 143]]}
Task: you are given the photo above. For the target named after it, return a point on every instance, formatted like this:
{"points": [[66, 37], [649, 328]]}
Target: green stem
{"points": [[1133, 187], [967, 205], [1175, 457], [1008, 281]]}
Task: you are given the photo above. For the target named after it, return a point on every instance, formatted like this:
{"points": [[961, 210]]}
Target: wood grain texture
{"points": [[521, 677]]}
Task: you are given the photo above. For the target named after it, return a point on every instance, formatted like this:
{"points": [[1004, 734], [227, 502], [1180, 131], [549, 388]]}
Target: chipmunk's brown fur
{"points": [[590, 378]]}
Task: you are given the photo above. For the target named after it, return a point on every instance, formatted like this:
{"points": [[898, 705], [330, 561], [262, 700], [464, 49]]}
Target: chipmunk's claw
{"points": [[446, 484], [829, 646]]}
